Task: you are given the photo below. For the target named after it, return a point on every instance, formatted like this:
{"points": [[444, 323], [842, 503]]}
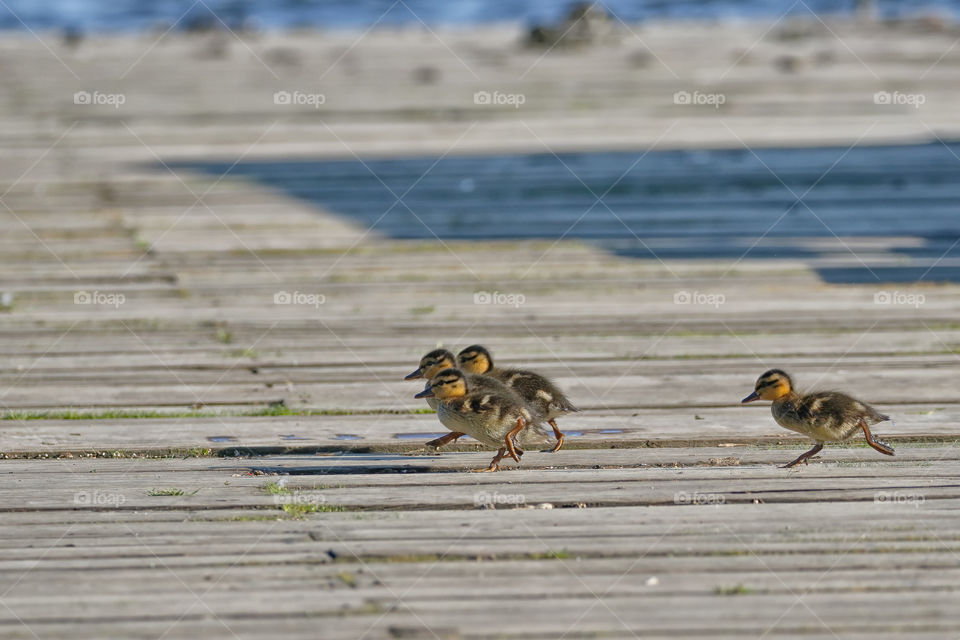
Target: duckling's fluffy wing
{"points": [[490, 385], [539, 391], [838, 409]]}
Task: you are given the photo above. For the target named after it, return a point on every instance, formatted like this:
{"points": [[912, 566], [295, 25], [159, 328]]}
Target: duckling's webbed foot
{"points": [[521, 423], [882, 447], [453, 436], [495, 463], [556, 434], [804, 457], [876, 443]]}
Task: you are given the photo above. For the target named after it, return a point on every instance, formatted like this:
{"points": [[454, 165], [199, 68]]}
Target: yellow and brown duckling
{"points": [[439, 359], [825, 416], [495, 419], [543, 395]]}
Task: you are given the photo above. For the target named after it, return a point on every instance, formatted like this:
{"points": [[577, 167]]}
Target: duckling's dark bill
{"points": [[414, 375], [751, 398], [426, 393]]}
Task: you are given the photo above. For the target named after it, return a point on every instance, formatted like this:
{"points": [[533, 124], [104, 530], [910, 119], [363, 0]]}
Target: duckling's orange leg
{"points": [[521, 423], [876, 443], [495, 463], [556, 434], [806, 456], [447, 439]]}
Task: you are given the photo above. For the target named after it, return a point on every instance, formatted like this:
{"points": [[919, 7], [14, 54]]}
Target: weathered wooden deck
{"points": [[250, 469]]}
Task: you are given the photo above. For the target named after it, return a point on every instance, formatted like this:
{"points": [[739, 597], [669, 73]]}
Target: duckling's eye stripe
{"points": [[469, 358]]}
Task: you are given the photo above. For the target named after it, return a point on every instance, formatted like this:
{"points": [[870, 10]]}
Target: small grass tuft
{"points": [[165, 492], [348, 579], [243, 353], [299, 511], [423, 311], [330, 508], [273, 410], [732, 590], [276, 489]]}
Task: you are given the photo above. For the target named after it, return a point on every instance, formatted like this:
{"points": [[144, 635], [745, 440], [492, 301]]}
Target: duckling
{"points": [[492, 418], [542, 395], [439, 359], [825, 416]]}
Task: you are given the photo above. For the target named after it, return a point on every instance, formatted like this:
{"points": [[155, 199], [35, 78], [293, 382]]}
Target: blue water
{"points": [[128, 15]]}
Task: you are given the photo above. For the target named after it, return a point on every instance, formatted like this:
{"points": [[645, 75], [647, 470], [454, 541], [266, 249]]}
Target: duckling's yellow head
{"points": [[475, 359], [770, 386], [432, 364], [449, 383]]}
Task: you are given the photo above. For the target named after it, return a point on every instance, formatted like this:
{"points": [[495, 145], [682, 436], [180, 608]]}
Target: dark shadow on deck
{"points": [[870, 214]]}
